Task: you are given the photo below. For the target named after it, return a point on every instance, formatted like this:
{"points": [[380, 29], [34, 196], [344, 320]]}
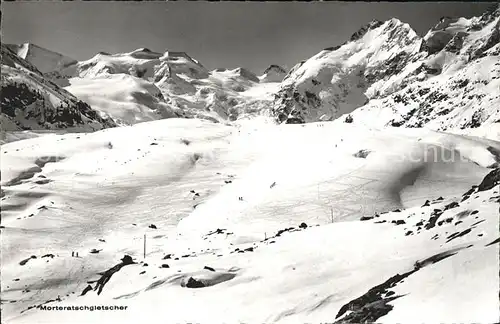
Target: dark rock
{"points": [[23, 262], [490, 181], [209, 268], [106, 275], [493, 242], [86, 290], [427, 203], [362, 154], [153, 226], [165, 266], [168, 256], [303, 225], [451, 205], [433, 219], [127, 259], [193, 283], [371, 305], [389, 293], [457, 234], [364, 218]]}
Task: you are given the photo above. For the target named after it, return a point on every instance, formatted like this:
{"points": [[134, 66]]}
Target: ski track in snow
{"points": [[105, 196]]}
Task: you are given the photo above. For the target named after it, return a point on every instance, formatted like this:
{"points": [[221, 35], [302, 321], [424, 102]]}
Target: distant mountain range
{"points": [[384, 75]]}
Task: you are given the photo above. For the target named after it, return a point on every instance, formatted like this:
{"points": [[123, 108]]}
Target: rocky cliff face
{"points": [[30, 101], [387, 75]]}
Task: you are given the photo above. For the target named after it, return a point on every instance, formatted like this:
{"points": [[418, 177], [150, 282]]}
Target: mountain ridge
{"points": [[302, 99], [374, 66], [29, 101]]}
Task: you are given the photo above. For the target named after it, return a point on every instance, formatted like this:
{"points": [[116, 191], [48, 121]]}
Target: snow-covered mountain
{"points": [[385, 74], [447, 79], [143, 85], [29, 101]]}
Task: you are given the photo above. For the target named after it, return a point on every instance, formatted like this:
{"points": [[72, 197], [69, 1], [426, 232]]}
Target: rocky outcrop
{"points": [[30, 101]]}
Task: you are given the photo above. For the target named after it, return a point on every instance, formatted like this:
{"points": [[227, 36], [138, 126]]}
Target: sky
{"points": [[218, 34]]}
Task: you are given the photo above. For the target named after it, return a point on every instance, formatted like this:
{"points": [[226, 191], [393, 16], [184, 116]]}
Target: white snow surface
{"points": [[125, 98], [102, 190]]}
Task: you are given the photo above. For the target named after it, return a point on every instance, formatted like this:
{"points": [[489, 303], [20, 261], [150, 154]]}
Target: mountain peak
{"points": [[363, 30], [276, 68], [247, 74], [274, 73], [179, 54]]}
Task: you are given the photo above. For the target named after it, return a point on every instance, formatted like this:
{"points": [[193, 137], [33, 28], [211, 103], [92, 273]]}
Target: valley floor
{"points": [[251, 222]]}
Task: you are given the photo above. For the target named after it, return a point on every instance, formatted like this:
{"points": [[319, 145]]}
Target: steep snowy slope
{"points": [[407, 218], [44, 59], [448, 79], [30, 101], [125, 98], [334, 81]]}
